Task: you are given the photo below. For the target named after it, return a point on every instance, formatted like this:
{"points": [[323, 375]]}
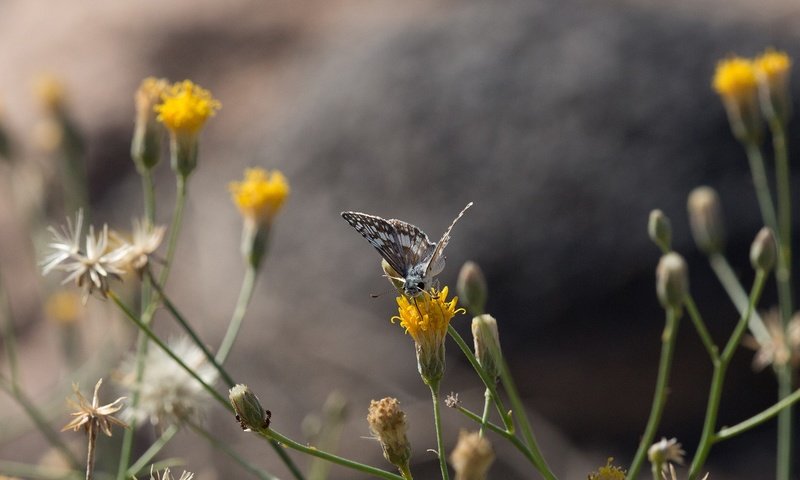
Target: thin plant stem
{"points": [[149, 308], [437, 421], [502, 432], [718, 379], [149, 195], [16, 393], [227, 450], [761, 185], [132, 317], [405, 471], [9, 336], [756, 420], [91, 428], [190, 331], [668, 340], [488, 382], [487, 401], [700, 326], [152, 451], [783, 274], [245, 294], [273, 435], [727, 277]]}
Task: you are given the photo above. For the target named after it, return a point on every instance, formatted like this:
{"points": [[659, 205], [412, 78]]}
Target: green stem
{"points": [[668, 340], [273, 435], [756, 420], [727, 277], [707, 438], [405, 471], [39, 472], [502, 432], [245, 294], [149, 306], [9, 336], [149, 195], [16, 393], [783, 274], [700, 326], [761, 185], [132, 317], [220, 445], [437, 421], [519, 411], [488, 382], [147, 457], [486, 403], [190, 331]]}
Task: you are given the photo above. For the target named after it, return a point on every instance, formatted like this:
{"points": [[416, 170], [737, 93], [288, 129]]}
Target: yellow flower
{"points": [[735, 77], [772, 64], [63, 307], [50, 91], [772, 69], [186, 107], [146, 144], [260, 195], [736, 83], [426, 319], [609, 472]]}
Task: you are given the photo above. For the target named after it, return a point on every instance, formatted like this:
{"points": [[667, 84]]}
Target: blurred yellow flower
{"points": [[736, 83], [735, 77], [260, 195], [185, 107], [63, 307], [50, 91], [772, 64]]}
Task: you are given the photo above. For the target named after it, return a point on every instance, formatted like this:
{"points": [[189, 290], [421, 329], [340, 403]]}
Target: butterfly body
{"points": [[405, 247]]}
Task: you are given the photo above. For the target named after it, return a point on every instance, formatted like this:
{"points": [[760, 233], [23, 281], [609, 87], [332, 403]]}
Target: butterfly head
{"points": [[416, 281]]}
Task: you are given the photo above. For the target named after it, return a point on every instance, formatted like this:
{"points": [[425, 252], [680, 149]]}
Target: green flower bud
{"points": [[705, 218], [472, 288], [763, 251], [659, 229], [487, 344], [249, 412], [672, 280]]}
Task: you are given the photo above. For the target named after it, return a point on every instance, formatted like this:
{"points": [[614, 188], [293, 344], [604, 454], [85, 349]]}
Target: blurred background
{"points": [[565, 122]]}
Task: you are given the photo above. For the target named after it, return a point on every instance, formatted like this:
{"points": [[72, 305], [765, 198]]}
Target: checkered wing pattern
{"points": [[436, 260], [401, 244]]}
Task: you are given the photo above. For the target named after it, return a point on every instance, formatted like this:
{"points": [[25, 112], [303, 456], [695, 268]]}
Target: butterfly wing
{"points": [[414, 244], [382, 235], [436, 261]]}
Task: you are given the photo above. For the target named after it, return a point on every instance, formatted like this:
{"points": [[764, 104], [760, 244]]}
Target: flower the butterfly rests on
{"points": [[405, 248]]}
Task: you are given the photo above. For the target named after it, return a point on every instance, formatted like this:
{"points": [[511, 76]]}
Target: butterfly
{"points": [[405, 248]]}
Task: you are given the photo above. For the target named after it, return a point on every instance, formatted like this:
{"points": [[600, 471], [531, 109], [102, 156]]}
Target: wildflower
{"points": [[63, 308], [705, 219], [451, 400], [146, 144], [609, 472], [672, 280], [88, 414], [259, 198], [772, 70], [90, 268], [659, 229], [184, 110], [472, 288], [249, 412], [387, 422], [472, 456], [145, 240], [665, 451], [735, 82], [167, 393], [426, 319], [763, 251], [487, 344], [50, 92], [167, 475], [780, 347]]}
